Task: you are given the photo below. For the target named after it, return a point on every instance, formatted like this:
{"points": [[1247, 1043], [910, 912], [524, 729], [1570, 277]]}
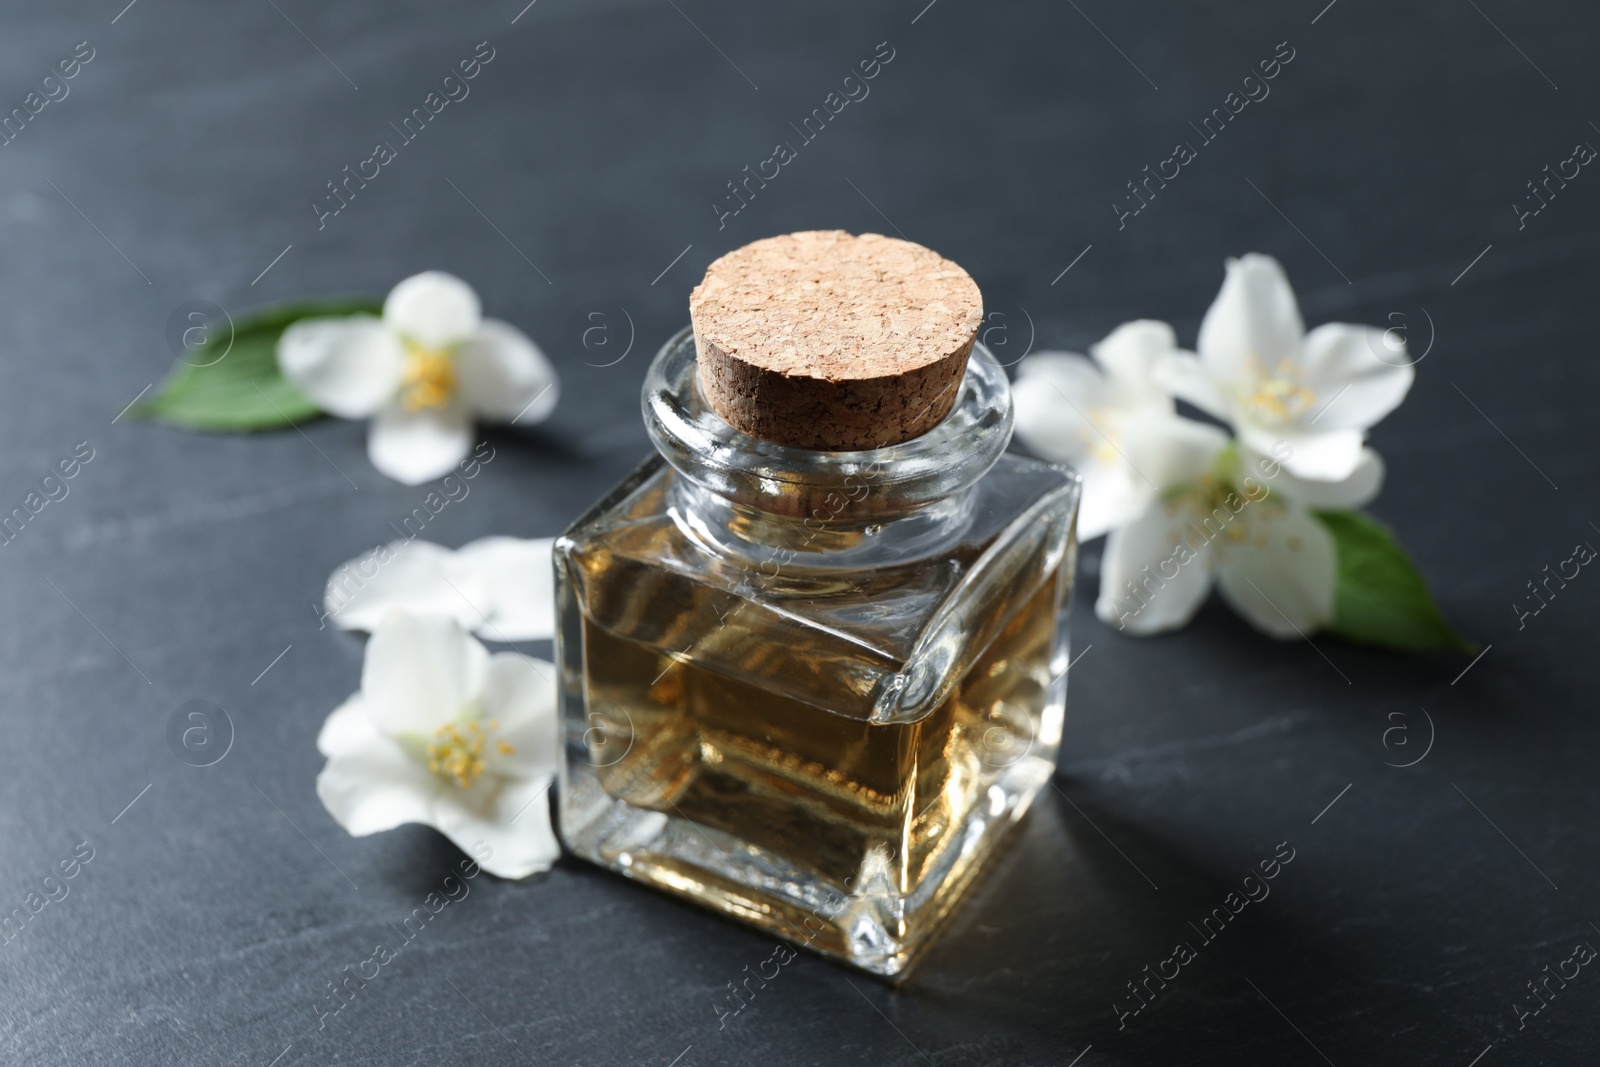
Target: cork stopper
{"points": [[830, 341]]}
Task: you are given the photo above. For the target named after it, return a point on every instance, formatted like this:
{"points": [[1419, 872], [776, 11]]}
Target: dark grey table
{"points": [[583, 173]]}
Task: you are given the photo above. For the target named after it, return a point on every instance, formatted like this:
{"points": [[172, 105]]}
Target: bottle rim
{"points": [[708, 451]]}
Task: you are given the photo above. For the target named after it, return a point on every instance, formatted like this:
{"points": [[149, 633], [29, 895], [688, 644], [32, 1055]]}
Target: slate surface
{"points": [[580, 175]]}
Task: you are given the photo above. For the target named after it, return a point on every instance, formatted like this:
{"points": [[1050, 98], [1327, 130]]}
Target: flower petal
{"points": [[1281, 576], [409, 576], [1326, 457], [517, 580], [1130, 354], [1359, 488], [1170, 451], [376, 787], [1067, 411], [513, 820], [1155, 574], [349, 367], [520, 692], [1061, 401], [419, 674], [1254, 318], [1112, 497], [433, 309], [413, 447], [1187, 378], [347, 728], [504, 376], [1354, 387]]}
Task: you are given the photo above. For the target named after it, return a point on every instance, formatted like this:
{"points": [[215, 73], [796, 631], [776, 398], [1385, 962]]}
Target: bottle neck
{"points": [[839, 532], [745, 496]]}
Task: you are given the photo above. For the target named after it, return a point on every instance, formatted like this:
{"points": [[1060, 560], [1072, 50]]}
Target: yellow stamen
{"points": [[429, 379], [456, 753], [1100, 436], [1280, 396]]}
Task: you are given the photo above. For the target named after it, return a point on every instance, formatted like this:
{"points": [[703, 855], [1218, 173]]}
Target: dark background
{"points": [[207, 927]]}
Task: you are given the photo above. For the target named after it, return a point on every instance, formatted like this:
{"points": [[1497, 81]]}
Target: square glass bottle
{"points": [[813, 690]]}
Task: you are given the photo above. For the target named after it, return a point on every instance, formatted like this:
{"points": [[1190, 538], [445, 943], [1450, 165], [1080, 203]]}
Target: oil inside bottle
{"points": [[831, 793]]}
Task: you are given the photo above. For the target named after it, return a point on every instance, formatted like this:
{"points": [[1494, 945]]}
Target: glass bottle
{"points": [[812, 690]]}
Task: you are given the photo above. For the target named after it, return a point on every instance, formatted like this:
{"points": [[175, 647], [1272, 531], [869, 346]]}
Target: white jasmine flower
{"points": [[423, 372], [1261, 372], [446, 735], [501, 588], [1073, 410], [1228, 517], [1360, 488]]}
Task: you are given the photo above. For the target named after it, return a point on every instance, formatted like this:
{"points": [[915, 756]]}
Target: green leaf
{"points": [[1381, 598], [230, 382]]}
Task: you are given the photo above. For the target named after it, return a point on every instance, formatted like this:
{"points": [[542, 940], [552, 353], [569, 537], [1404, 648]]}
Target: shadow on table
{"points": [[1064, 943]]}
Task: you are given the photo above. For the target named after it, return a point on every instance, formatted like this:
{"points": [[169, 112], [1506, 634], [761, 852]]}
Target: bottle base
{"points": [[871, 926]]}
